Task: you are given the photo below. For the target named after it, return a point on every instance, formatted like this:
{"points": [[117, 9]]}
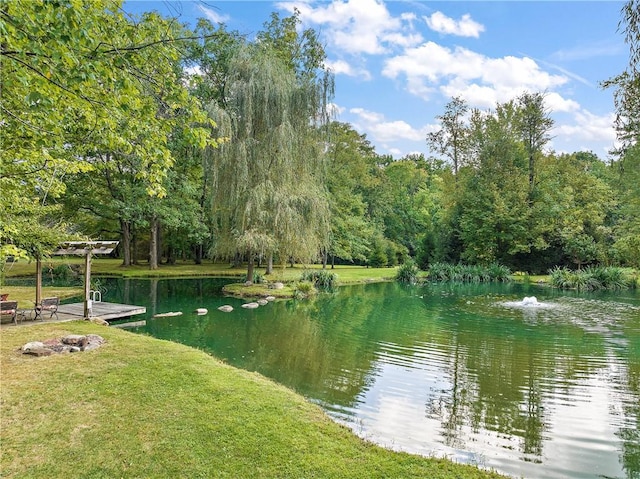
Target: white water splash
{"points": [[528, 302]]}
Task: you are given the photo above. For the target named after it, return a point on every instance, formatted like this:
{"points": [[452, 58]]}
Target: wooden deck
{"points": [[75, 311], [102, 310]]}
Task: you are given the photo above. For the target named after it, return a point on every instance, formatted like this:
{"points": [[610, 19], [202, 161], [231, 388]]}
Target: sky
{"points": [[398, 63]]}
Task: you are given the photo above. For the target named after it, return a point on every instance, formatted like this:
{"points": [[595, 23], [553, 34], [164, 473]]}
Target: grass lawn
{"points": [[113, 267], [143, 407]]}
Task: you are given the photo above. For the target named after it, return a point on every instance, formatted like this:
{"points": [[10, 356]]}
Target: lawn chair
{"points": [[9, 308], [47, 305]]}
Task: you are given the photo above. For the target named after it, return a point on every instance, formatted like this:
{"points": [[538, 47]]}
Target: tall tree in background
{"points": [[534, 127], [452, 140], [348, 177], [267, 181], [494, 218]]}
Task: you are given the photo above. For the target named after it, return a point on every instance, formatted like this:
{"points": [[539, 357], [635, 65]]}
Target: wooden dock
{"points": [[102, 310], [75, 311]]}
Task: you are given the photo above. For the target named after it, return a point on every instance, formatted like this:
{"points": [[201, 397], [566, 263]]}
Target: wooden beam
{"points": [[38, 280], [87, 285]]}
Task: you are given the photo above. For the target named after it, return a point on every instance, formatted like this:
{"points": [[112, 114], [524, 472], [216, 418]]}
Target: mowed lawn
{"points": [[113, 267], [140, 407]]}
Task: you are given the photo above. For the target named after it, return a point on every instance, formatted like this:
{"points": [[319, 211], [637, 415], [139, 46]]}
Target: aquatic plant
{"points": [[321, 278], [408, 272], [462, 273], [590, 279]]}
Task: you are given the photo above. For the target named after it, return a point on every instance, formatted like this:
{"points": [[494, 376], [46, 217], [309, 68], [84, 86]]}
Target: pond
{"points": [[549, 389]]}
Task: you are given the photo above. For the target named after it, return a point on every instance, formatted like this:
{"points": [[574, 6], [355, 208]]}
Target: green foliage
{"points": [[408, 272], [258, 278], [304, 289], [627, 227], [321, 278], [81, 79], [378, 256], [348, 177], [452, 140], [591, 278], [461, 273], [98, 116], [267, 191]]}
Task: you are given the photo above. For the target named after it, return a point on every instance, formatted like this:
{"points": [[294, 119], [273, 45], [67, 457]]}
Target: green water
{"points": [[465, 372]]}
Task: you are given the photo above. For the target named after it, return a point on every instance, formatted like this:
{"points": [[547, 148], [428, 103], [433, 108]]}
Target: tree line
{"points": [[205, 143]]}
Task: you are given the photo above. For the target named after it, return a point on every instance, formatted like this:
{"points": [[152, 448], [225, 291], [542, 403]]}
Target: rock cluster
{"points": [[68, 344]]}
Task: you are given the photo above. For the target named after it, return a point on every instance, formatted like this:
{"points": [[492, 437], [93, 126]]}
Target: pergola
{"points": [[78, 248]]}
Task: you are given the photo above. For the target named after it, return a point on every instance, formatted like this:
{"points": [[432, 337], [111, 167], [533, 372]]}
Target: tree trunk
{"points": [[324, 259], [171, 255], [531, 178], [250, 268], [158, 242], [333, 261], [269, 264], [125, 231], [153, 244], [198, 254], [134, 248]]}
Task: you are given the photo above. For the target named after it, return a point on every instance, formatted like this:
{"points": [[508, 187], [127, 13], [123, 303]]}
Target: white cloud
{"points": [[358, 26], [589, 127], [377, 128], [368, 116], [212, 15], [341, 67], [465, 27], [481, 80], [395, 152], [556, 103]]}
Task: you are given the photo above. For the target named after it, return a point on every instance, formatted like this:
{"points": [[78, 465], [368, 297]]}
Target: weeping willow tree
{"points": [[267, 180]]}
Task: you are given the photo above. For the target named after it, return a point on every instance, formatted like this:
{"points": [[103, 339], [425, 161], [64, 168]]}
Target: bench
{"points": [[47, 305], [9, 308]]}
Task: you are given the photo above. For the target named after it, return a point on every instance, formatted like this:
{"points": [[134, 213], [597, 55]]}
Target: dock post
{"points": [[87, 285]]}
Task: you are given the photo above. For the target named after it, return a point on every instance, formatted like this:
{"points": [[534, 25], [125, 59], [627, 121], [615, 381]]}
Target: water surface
{"points": [[464, 372]]}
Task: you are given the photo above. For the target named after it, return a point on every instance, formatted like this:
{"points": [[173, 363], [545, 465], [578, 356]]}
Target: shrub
{"points": [[461, 273], [63, 271], [499, 272], [321, 278], [590, 279], [408, 272], [258, 278], [303, 290]]}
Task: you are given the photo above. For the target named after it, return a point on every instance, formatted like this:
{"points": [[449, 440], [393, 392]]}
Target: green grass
{"points": [[113, 267], [108, 267], [26, 295], [102, 414]]}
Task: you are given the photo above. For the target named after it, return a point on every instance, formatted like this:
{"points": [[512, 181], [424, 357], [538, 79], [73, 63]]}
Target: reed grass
{"points": [[462, 273]]}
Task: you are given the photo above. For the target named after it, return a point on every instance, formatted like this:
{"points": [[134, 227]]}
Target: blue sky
{"points": [[397, 63]]}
